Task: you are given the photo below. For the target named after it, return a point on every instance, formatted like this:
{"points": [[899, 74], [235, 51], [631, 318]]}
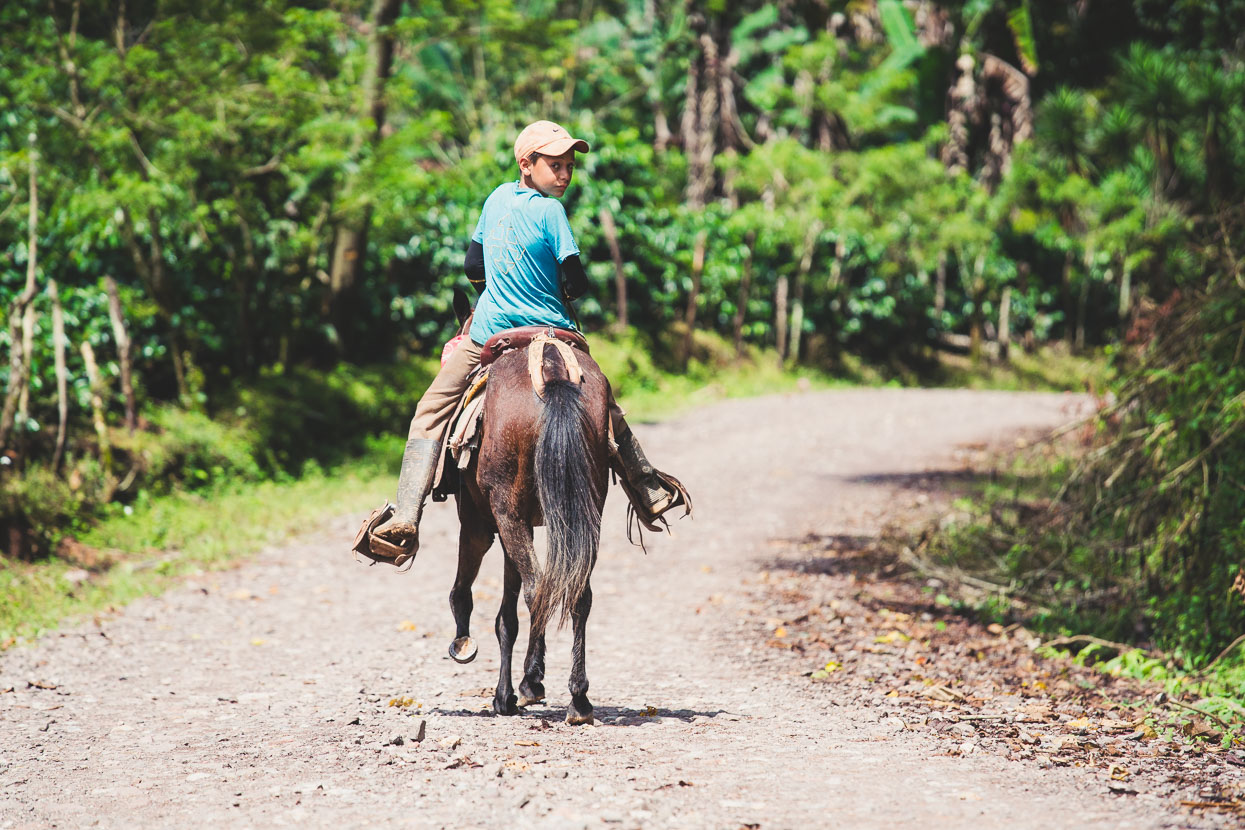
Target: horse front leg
{"points": [[473, 543], [580, 711], [504, 700]]}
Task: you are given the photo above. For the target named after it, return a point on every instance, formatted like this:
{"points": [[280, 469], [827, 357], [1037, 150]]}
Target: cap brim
{"points": [[559, 146]]}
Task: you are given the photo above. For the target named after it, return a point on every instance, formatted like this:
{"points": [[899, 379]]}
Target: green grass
{"points": [[1217, 691], [158, 541], [1051, 368]]}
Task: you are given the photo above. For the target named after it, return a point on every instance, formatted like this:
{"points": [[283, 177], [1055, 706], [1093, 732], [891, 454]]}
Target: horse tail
{"points": [[568, 499]]}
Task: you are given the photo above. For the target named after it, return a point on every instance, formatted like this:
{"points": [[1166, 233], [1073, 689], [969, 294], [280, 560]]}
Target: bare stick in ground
{"points": [[123, 351], [62, 382], [620, 280], [19, 360]]}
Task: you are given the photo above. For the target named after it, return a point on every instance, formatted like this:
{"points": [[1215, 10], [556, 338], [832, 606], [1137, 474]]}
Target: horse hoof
{"points": [[575, 719], [463, 650], [524, 700]]}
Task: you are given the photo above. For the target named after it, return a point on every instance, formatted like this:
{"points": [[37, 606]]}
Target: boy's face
{"points": [[551, 175]]}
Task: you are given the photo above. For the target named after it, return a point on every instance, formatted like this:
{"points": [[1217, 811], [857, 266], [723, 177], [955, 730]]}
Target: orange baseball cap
{"points": [[547, 138]]}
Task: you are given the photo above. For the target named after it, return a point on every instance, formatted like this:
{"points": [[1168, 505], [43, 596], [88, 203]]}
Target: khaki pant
{"points": [[436, 407]]}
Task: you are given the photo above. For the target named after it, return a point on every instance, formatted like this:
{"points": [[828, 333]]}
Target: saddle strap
{"points": [[536, 362]]}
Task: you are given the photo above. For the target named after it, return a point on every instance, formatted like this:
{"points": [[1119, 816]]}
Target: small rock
{"points": [[450, 742], [963, 730], [395, 739], [968, 748], [493, 770], [76, 576], [421, 731]]}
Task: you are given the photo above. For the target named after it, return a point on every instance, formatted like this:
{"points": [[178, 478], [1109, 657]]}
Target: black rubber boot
{"points": [[419, 466], [651, 491]]}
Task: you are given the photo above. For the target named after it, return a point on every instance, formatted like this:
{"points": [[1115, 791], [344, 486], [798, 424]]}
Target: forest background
{"points": [[230, 235]]}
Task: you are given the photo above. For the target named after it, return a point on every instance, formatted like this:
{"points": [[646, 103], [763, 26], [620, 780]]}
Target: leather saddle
{"points": [[518, 338], [462, 438]]}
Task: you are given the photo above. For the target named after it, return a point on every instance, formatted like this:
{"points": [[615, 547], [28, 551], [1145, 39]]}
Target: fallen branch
{"points": [[1098, 641], [955, 575], [1215, 718], [1202, 671]]}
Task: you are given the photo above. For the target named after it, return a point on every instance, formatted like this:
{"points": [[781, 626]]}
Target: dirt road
{"points": [[262, 696]]}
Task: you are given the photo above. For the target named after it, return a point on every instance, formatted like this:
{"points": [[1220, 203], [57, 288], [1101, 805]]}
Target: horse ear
{"points": [[462, 305]]}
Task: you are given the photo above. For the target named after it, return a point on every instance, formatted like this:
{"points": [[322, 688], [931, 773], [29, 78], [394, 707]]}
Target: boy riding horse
{"points": [[524, 257]]}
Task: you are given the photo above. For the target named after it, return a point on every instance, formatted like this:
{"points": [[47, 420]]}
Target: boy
{"points": [[524, 260]]}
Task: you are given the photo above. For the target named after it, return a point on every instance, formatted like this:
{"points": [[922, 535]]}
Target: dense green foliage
{"points": [[281, 186], [1142, 538]]}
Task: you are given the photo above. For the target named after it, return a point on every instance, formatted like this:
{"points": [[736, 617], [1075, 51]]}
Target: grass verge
{"points": [[142, 549], [1002, 555]]}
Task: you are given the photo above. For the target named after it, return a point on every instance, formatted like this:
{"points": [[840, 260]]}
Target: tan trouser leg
{"points": [[436, 407], [617, 422]]}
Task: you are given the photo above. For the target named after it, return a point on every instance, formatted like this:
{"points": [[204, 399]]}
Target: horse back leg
{"points": [[532, 689], [580, 711], [473, 543]]}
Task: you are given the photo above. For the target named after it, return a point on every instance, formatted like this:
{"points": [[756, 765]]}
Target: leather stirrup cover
{"points": [[373, 547]]}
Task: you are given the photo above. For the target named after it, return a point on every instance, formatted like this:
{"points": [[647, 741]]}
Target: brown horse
{"points": [[541, 460]]}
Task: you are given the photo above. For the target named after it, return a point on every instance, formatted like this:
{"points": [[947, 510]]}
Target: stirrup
{"points": [[379, 549], [645, 516]]}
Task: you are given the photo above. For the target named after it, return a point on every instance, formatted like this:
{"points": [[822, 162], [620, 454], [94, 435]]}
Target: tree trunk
{"points": [[976, 320], [1126, 298], [1070, 311], [699, 139], [693, 297], [963, 106], [19, 358], [62, 379], [97, 407], [620, 280], [350, 239], [780, 319], [940, 286], [797, 305], [745, 289], [1005, 320], [700, 120], [28, 348], [662, 137], [124, 359], [1082, 306]]}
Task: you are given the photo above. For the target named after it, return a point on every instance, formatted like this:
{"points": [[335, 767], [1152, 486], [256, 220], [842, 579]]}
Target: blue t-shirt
{"points": [[525, 237]]}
